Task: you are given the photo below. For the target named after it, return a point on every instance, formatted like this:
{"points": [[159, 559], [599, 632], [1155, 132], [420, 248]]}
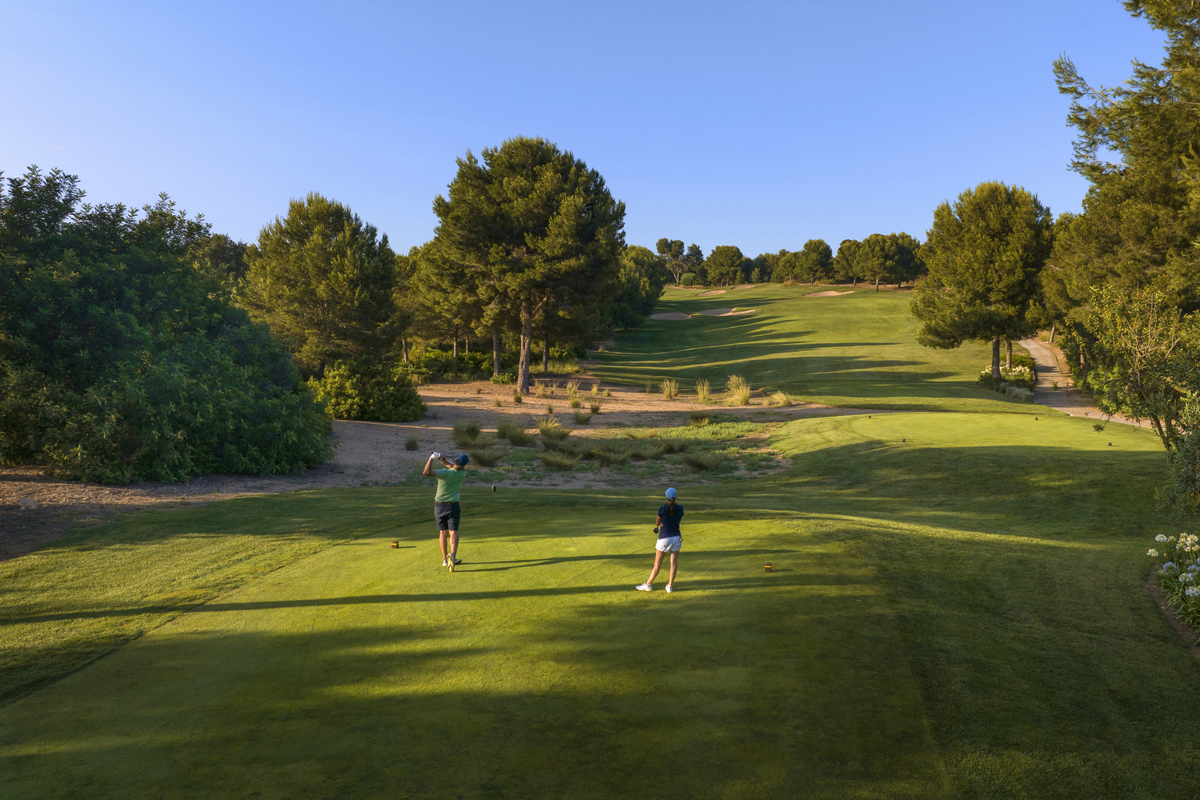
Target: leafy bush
{"points": [[689, 279], [505, 378], [1179, 574], [1019, 393], [368, 390], [1019, 375], [121, 361]]}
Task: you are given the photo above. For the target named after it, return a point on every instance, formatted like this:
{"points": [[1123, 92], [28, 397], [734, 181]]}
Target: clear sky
{"points": [[757, 124]]}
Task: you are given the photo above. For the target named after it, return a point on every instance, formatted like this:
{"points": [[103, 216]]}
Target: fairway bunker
{"points": [[727, 312], [828, 294]]}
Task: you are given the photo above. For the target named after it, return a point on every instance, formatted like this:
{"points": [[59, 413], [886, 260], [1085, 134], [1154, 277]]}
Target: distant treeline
{"points": [[892, 258]]}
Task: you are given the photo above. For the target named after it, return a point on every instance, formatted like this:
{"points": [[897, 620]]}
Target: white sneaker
{"points": [[445, 562], [643, 587], [669, 589]]}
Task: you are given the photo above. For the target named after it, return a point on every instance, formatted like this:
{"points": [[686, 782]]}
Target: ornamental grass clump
{"points": [[737, 391], [559, 461], [703, 392], [699, 419], [612, 453], [703, 462], [582, 417], [466, 432], [781, 399], [545, 423], [410, 443], [1179, 574], [670, 389], [514, 433], [486, 456]]}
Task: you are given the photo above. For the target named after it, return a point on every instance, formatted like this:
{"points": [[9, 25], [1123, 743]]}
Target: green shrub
{"points": [[582, 417], [545, 423], [612, 453], [689, 279], [514, 433], [647, 451], [368, 390], [1179, 574], [121, 361], [505, 377]]}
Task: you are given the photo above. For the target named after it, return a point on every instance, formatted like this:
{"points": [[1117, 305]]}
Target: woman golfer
{"points": [[669, 540]]}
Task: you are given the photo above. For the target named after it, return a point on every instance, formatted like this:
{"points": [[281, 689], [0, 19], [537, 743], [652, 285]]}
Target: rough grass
{"points": [[558, 460], [466, 431], [487, 456]]}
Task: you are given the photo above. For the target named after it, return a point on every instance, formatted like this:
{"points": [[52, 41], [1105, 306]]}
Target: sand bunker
{"points": [[827, 294], [726, 312], [714, 291], [670, 315], [744, 286]]}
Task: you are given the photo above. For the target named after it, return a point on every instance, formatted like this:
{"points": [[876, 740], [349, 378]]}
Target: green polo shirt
{"points": [[450, 483]]}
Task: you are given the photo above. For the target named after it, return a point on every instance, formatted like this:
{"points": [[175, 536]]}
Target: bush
{"points": [[368, 390], [612, 453], [505, 378], [689, 279], [1178, 574], [1019, 375], [120, 361], [582, 417]]}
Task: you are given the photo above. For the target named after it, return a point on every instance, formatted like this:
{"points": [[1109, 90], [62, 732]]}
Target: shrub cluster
{"points": [[365, 389], [1179, 574], [121, 361], [1016, 382]]}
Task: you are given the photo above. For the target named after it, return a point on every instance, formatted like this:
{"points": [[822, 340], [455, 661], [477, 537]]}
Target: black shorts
{"points": [[447, 516]]}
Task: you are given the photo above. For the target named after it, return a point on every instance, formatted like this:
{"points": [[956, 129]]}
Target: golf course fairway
{"points": [[955, 610]]}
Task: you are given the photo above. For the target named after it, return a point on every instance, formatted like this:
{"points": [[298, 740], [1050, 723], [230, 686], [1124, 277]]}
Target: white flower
{"points": [[1152, 553], [1192, 591], [1162, 537], [1187, 577]]}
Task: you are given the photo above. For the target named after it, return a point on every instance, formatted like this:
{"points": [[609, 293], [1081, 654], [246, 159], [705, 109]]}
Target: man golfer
{"points": [[446, 510]]}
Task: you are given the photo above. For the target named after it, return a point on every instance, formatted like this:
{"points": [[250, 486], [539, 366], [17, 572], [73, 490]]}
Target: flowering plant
{"points": [[1177, 574]]}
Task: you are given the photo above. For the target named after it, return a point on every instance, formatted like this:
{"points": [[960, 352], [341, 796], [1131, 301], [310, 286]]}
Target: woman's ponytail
{"points": [[671, 502]]}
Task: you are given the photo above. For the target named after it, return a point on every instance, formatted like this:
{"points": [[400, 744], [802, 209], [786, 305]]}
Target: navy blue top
{"points": [[670, 525]]}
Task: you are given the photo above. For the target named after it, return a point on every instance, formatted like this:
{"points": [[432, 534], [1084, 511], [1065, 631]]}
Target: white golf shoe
{"points": [[644, 587]]}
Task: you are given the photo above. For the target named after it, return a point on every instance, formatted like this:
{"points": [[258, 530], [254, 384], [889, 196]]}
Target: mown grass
{"points": [[857, 350], [956, 610]]}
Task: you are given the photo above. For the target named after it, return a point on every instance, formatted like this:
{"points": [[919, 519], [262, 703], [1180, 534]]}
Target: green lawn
{"points": [[857, 350], [956, 611]]}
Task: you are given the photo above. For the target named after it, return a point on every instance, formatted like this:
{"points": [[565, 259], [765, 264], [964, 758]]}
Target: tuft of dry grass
{"points": [[582, 417], [466, 432], [670, 388], [487, 456], [703, 392], [780, 399], [559, 461], [737, 391], [698, 419], [703, 462]]}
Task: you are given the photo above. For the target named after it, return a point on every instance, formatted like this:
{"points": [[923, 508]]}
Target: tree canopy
{"points": [[537, 228], [891, 258], [984, 253], [121, 361], [324, 281], [724, 265]]}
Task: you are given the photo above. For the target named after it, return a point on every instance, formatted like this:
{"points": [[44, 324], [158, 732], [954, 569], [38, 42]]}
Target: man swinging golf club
{"points": [[446, 510]]}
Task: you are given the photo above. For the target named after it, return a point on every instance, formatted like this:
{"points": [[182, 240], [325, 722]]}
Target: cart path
{"points": [[1067, 399]]}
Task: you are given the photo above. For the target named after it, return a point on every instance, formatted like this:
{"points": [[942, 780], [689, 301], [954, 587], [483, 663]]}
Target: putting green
{"points": [[858, 350]]}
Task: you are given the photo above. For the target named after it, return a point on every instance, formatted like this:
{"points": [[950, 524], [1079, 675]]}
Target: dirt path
{"points": [[1066, 398], [36, 510]]}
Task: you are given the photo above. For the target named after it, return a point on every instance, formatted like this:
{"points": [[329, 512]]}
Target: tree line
{"points": [[892, 258], [1117, 285]]}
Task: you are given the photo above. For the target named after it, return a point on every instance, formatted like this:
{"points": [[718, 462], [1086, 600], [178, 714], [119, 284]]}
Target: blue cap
{"points": [[462, 460], [672, 494]]}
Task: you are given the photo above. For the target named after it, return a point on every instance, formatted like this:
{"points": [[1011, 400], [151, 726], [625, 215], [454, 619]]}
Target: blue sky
{"points": [[757, 124]]}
